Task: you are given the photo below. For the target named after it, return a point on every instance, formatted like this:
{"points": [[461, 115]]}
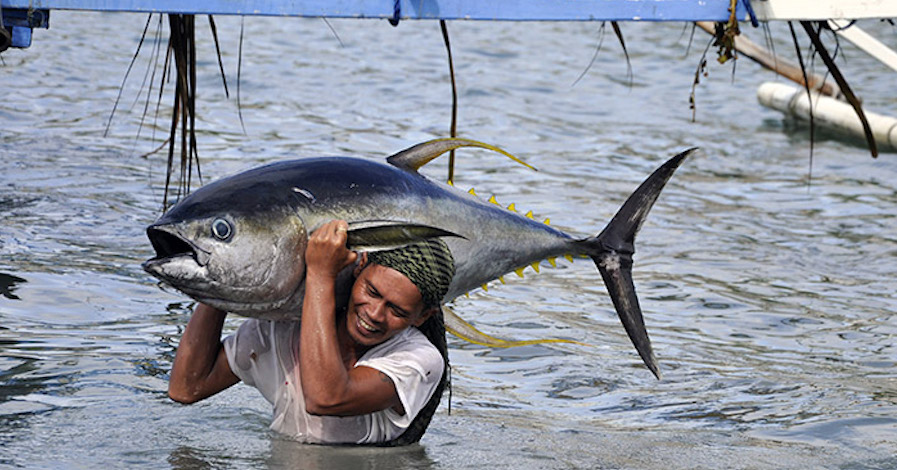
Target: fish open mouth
{"points": [[169, 245]]}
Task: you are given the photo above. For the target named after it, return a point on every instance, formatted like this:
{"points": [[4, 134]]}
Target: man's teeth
{"points": [[366, 325]]}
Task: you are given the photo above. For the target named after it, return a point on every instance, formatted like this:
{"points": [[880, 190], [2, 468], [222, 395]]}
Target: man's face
{"points": [[383, 303]]}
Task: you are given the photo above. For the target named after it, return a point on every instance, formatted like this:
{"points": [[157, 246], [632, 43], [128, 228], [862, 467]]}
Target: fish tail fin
{"points": [[612, 252]]}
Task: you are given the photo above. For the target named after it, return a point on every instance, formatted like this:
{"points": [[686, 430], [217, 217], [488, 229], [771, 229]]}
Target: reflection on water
{"points": [[770, 302], [288, 454]]}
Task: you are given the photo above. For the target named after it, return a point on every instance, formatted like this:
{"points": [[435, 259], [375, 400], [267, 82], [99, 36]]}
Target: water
{"points": [[770, 301]]}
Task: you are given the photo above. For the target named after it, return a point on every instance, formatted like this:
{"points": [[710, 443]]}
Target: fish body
{"points": [[237, 244]]}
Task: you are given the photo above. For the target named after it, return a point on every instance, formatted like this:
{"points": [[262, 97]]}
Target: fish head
{"points": [[241, 262]]}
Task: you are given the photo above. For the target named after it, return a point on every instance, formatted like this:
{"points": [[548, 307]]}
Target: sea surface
{"points": [[767, 276]]}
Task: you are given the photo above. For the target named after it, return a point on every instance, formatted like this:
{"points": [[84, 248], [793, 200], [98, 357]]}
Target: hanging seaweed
{"points": [[182, 45], [218, 53], [594, 55], [803, 68], [616, 27], [127, 73], [700, 71], [453, 131], [180, 62], [726, 34], [239, 72]]}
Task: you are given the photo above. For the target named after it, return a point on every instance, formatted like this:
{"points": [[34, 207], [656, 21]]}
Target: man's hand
{"points": [[328, 386], [326, 253]]}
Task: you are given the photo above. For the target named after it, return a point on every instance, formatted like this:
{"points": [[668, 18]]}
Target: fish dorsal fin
{"points": [[413, 158]]}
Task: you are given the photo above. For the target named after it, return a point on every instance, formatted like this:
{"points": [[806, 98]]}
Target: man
{"points": [[360, 375]]}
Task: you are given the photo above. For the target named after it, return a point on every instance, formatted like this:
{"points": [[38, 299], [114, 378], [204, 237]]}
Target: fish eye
{"points": [[222, 229]]}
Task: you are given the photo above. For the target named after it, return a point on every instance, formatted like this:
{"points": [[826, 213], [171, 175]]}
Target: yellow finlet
{"points": [[471, 191], [494, 201], [485, 287], [502, 279], [512, 207], [553, 262], [529, 215], [547, 222], [450, 183], [569, 258], [519, 271], [536, 266]]}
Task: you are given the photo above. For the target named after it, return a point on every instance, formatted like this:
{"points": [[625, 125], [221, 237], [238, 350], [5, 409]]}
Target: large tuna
{"points": [[238, 243]]}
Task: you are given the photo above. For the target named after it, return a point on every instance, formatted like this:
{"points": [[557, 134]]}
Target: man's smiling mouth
{"points": [[366, 326]]}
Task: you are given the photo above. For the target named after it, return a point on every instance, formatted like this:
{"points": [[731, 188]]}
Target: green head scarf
{"points": [[428, 264]]}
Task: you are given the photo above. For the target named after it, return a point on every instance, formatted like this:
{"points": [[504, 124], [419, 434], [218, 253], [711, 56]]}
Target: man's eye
{"points": [[399, 313]]}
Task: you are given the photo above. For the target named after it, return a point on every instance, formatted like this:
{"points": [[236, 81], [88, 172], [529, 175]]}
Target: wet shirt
{"points": [[265, 354]]}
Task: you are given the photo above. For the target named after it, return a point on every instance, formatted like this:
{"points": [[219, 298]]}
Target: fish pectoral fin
{"points": [[413, 158], [379, 235], [456, 325]]}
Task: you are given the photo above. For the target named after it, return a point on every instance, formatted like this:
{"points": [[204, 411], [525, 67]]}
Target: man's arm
{"points": [[329, 388], [200, 367]]}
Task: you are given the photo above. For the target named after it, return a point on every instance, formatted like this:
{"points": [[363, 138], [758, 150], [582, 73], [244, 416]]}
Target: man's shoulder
{"points": [[406, 355]]}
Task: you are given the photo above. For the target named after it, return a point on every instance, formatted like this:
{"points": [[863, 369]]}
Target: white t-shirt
{"points": [[265, 354]]}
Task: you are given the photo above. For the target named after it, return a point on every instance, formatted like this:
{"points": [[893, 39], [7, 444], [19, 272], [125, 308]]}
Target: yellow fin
{"points": [[460, 328], [512, 207], [569, 258], [536, 266], [493, 200], [519, 271], [471, 191], [529, 215], [553, 262], [450, 183], [413, 158]]}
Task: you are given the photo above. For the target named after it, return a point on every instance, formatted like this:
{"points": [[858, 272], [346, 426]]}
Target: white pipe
{"points": [[864, 41], [828, 113]]}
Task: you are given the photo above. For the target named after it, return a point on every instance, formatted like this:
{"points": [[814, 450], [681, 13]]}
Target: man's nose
{"points": [[378, 311]]}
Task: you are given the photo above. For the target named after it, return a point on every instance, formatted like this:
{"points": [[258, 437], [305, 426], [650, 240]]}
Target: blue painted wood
{"points": [[18, 25], [513, 10]]}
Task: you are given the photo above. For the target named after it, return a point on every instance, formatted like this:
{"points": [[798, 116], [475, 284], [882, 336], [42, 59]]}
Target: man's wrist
{"points": [[315, 280]]}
